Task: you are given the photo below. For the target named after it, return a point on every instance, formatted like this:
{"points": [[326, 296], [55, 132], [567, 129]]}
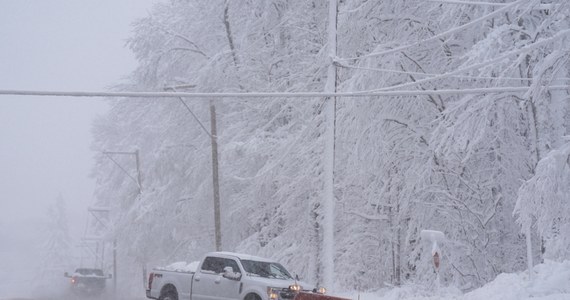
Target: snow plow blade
{"points": [[315, 296]]}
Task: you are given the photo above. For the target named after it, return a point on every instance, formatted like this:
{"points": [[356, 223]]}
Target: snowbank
{"points": [[551, 281]]}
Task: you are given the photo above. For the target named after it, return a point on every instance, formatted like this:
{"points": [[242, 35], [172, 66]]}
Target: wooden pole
{"points": [[215, 179]]}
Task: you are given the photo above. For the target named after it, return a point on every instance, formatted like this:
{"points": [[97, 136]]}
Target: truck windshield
{"points": [[89, 272], [265, 269]]}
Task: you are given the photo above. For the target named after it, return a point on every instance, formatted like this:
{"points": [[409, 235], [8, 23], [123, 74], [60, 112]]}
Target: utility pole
{"points": [[95, 212], [138, 181], [330, 111], [115, 268], [213, 134], [215, 178]]}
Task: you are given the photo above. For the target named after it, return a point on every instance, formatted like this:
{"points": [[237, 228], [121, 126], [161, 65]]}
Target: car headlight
{"points": [[272, 294]]}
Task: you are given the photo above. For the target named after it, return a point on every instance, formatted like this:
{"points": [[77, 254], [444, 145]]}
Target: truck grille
{"points": [[286, 294]]}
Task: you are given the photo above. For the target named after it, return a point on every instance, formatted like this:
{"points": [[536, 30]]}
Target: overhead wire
{"points": [[437, 36], [380, 70], [259, 95], [482, 64]]}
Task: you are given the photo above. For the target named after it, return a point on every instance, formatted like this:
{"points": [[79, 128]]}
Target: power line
{"points": [[437, 36], [541, 6], [469, 2], [497, 59], [190, 111], [204, 96], [380, 70]]}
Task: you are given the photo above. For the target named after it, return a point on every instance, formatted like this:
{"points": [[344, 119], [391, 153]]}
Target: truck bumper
{"points": [[148, 295]]}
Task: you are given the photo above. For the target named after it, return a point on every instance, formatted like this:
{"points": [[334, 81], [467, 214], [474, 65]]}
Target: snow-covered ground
{"points": [[551, 281]]}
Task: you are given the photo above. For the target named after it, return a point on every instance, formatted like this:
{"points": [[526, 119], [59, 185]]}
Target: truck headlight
{"points": [[295, 287], [272, 294], [321, 290]]}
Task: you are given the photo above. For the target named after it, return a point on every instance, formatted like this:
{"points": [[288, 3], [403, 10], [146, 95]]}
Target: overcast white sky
{"points": [[44, 141]]}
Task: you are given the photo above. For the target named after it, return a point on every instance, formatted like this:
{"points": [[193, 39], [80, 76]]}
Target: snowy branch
{"points": [[368, 217]]}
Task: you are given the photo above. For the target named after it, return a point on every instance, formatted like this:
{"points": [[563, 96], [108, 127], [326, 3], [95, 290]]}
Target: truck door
{"points": [[209, 283]]}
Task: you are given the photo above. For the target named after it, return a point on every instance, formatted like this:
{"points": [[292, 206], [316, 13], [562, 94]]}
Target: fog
{"points": [[45, 141]]}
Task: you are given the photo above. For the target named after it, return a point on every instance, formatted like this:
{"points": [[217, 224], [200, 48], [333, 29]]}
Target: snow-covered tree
{"points": [[56, 251], [402, 164], [57, 246], [543, 202]]}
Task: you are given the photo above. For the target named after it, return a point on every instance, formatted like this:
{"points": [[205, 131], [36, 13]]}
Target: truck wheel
{"points": [[169, 296], [252, 297]]}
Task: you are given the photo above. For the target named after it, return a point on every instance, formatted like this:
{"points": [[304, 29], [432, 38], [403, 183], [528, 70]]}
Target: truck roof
{"points": [[239, 255]]}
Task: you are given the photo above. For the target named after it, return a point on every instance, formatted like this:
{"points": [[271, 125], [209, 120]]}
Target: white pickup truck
{"points": [[227, 276]]}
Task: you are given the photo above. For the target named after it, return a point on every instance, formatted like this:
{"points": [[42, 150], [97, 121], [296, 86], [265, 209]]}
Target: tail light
{"points": [[150, 278]]}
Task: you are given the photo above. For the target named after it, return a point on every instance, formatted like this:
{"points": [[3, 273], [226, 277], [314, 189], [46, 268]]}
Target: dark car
{"points": [[88, 281]]}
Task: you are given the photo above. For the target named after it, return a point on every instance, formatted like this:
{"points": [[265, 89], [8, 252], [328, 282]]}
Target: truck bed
{"points": [[176, 279]]}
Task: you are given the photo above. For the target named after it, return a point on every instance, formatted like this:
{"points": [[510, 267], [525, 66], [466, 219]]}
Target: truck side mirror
{"points": [[230, 274], [66, 274]]}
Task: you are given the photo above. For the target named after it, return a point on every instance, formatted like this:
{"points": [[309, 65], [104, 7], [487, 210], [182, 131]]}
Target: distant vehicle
{"points": [[226, 275], [88, 281]]}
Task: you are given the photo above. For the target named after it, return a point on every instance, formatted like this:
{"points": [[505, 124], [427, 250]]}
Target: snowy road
{"points": [[68, 296], [73, 297]]}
